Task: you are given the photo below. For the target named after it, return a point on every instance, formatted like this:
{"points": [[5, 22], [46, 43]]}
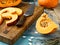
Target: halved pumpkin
{"points": [[8, 3], [45, 25]]}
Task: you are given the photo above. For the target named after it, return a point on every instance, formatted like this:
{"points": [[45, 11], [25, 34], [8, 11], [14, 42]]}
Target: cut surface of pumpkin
{"points": [[45, 25], [10, 18], [12, 10], [8, 3]]}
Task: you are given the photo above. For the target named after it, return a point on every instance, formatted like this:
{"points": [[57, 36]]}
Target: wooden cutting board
{"points": [[14, 31]]}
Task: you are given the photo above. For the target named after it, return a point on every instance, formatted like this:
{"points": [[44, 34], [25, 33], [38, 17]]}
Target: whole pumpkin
{"points": [[48, 3]]}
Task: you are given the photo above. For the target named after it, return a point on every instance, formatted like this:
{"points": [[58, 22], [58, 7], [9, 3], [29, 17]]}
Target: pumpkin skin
{"points": [[45, 25], [8, 3], [48, 3]]}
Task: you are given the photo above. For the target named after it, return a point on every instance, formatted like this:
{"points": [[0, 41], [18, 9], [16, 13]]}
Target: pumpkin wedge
{"points": [[45, 25]]}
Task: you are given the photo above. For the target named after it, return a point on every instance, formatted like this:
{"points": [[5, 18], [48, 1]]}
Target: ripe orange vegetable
{"points": [[48, 3], [45, 25], [8, 3]]}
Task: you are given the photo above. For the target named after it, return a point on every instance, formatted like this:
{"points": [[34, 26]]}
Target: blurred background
{"points": [[32, 0]]}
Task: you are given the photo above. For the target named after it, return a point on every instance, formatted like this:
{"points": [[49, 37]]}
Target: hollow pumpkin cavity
{"points": [[44, 23]]}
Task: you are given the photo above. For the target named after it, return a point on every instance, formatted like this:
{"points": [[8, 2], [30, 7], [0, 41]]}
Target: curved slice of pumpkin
{"points": [[11, 18], [12, 10], [8, 3], [45, 25], [3, 3]]}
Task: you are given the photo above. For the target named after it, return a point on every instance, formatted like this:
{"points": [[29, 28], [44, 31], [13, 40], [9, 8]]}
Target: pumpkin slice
{"points": [[12, 18], [8, 3], [6, 16], [12, 10], [45, 25]]}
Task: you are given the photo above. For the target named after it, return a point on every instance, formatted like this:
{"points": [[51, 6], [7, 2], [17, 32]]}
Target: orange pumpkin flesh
{"points": [[8, 3], [48, 3], [1, 19], [10, 14], [45, 25], [12, 10]]}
